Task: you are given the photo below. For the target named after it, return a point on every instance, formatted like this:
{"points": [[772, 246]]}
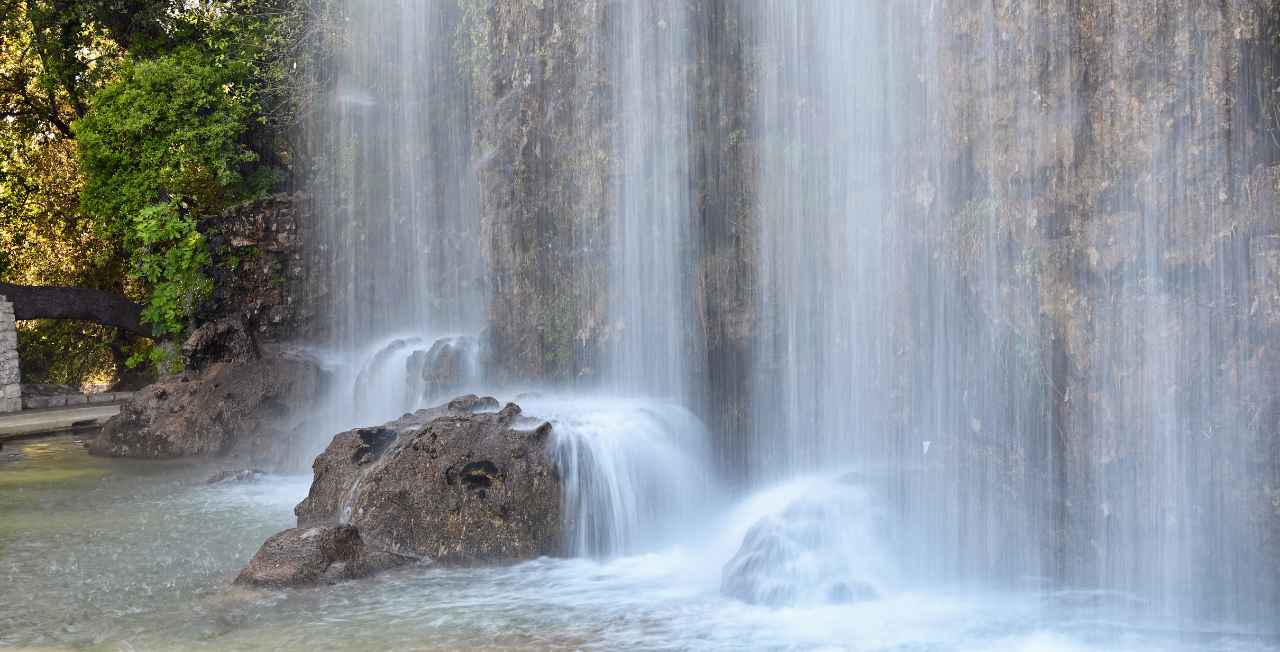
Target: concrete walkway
{"points": [[39, 422]]}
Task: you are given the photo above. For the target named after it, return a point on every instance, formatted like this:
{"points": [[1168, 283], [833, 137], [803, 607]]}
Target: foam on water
{"points": [[138, 556]]}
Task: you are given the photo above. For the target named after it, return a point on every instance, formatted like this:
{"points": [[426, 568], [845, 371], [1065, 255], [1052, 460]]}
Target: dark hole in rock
{"points": [[479, 475], [373, 441]]}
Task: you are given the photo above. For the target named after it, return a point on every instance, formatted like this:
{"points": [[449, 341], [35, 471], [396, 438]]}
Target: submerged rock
{"points": [[820, 549], [246, 408], [460, 484], [232, 475], [308, 556]]}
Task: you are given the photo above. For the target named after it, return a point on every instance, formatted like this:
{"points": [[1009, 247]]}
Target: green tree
{"points": [[122, 122]]}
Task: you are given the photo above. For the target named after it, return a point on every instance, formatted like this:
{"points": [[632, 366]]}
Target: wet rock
{"points": [[818, 550], [300, 557], [459, 484], [240, 409], [444, 369], [232, 475]]}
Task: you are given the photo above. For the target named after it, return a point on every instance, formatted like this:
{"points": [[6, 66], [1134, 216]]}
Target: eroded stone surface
{"points": [[462, 483]]}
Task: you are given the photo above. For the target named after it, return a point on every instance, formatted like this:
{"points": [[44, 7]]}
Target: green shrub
{"points": [[161, 145]]}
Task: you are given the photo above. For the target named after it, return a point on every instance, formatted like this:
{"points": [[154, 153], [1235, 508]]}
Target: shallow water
{"points": [[110, 554]]}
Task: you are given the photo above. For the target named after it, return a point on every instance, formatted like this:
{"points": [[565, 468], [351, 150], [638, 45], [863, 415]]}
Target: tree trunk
{"points": [[84, 304]]}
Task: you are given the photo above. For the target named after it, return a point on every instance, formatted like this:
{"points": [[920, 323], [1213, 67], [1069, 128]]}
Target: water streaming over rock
{"points": [[653, 252], [389, 155], [636, 474], [1017, 273], [1015, 264]]}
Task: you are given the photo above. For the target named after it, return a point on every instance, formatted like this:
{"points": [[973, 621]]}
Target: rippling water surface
{"points": [[118, 555]]}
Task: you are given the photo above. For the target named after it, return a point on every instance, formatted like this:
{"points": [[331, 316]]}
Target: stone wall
{"points": [[10, 389]]}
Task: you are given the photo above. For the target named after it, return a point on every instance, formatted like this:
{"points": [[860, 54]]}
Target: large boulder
{"points": [[463, 483], [301, 557], [242, 409]]}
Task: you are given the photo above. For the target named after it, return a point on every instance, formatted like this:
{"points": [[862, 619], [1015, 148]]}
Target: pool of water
{"points": [[126, 555]]}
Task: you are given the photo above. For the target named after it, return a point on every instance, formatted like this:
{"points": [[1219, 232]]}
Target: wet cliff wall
{"points": [[542, 137], [545, 114], [1107, 177]]}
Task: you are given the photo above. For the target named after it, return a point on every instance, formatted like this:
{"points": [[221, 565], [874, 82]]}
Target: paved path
{"points": [[36, 422]]}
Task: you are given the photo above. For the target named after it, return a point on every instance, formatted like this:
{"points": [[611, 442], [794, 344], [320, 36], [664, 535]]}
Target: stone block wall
{"points": [[10, 389]]}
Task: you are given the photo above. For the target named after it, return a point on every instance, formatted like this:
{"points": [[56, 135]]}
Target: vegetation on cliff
{"points": [[122, 124]]}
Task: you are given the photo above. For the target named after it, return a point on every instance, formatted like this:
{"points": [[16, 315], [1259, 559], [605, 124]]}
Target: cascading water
{"points": [[635, 473], [870, 352], [396, 188], [1040, 343], [392, 178], [915, 320], [652, 246], [985, 294]]}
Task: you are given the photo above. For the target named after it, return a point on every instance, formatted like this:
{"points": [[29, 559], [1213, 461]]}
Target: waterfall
{"points": [[652, 251], [870, 354], [390, 150], [635, 474], [1018, 295], [410, 255], [1012, 263]]}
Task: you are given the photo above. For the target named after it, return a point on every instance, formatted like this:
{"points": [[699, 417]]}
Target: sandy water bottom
{"points": [[125, 555]]}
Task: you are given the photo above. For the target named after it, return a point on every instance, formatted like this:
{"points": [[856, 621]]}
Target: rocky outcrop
{"points": [[464, 483], [460, 484], [242, 392], [261, 268], [300, 557], [244, 409], [230, 339]]}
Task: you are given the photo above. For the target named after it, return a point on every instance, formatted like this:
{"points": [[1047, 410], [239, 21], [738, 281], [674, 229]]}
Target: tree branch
{"points": [[97, 306]]}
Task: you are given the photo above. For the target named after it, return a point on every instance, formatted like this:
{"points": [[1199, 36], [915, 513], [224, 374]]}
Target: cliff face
{"points": [[545, 122], [1115, 164], [262, 269], [542, 137]]}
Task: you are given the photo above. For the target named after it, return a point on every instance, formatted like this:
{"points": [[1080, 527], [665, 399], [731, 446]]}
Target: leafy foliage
{"points": [[161, 146], [122, 123]]}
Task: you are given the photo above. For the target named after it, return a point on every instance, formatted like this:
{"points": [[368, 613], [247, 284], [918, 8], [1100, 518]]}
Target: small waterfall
{"points": [[994, 252], [1016, 272], [382, 383], [398, 375], [635, 474]]}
